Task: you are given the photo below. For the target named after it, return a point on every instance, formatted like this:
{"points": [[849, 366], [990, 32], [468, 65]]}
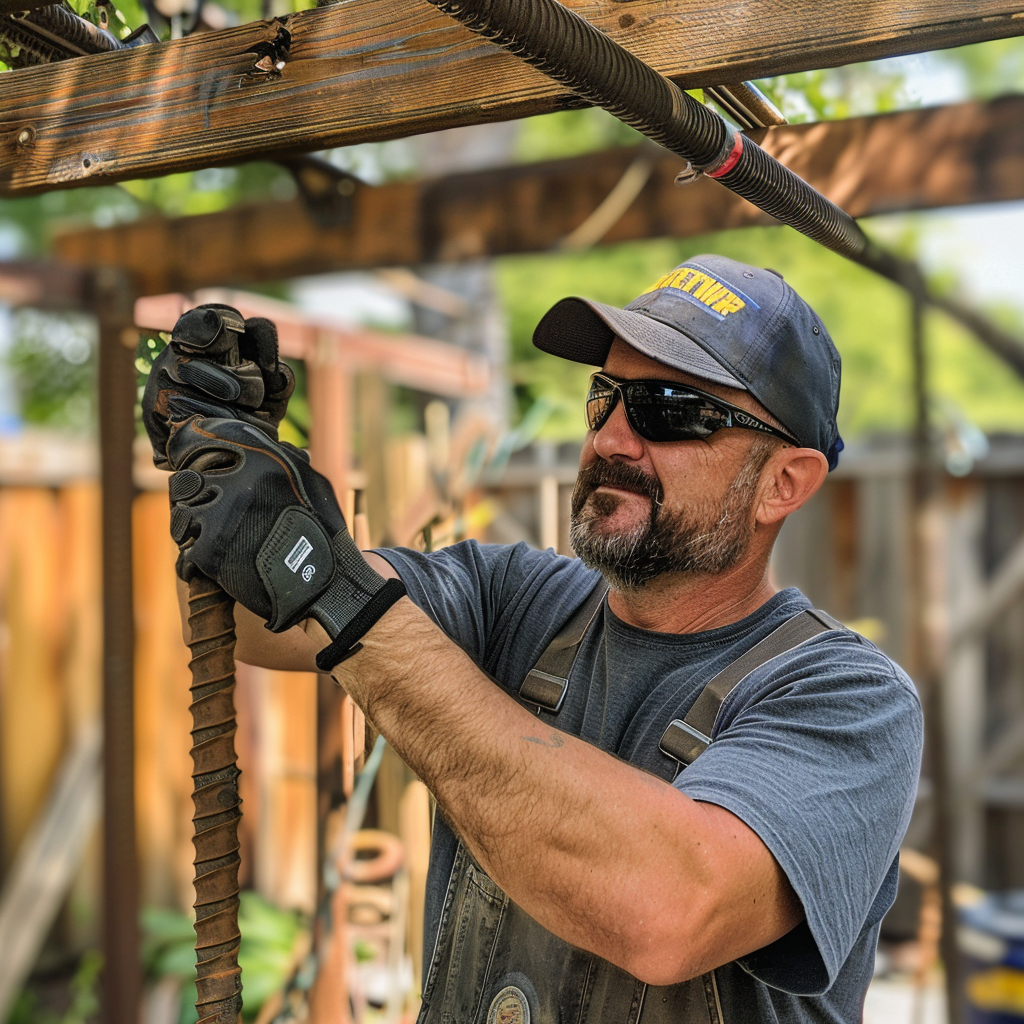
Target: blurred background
{"points": [[423, 399]]}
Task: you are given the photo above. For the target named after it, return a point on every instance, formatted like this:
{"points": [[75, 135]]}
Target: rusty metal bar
{"points": [[217, 803]]}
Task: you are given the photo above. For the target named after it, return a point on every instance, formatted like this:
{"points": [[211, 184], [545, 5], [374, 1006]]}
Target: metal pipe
{"points": [[58, 25], [52, 32], [746, 105], [570, 50]]}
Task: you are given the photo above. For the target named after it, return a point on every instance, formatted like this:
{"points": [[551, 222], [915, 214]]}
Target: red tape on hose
{"points": [[731, 160]]}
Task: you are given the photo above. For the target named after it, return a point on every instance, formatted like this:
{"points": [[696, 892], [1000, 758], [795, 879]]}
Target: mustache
{"points": [[614, 474]]}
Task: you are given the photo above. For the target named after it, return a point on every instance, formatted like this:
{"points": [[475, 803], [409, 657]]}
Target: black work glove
{"points": [[252, 514], [217, 364]]}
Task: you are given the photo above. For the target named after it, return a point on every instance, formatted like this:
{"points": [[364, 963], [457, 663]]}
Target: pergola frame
{"points": [[954, 155], [360, 71]]}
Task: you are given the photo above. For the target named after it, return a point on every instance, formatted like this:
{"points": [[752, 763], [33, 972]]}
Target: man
{"points": [[590, 863]]}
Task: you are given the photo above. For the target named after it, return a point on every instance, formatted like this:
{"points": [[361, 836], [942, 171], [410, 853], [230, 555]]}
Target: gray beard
{"points": [[707, 538]]}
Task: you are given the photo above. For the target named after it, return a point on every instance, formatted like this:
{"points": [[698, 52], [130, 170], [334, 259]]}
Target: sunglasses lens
{"points": [[600, 402], [665, 414]]}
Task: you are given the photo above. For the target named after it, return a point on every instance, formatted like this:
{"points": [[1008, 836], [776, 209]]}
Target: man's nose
{"points": [[616, 438]]}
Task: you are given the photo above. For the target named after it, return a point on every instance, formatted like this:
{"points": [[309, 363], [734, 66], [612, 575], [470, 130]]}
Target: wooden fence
{"points": [[848, 550], [290, 725]]}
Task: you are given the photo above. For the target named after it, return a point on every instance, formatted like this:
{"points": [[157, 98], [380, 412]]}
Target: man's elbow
{"points": [[662, 969], [665, 955]]}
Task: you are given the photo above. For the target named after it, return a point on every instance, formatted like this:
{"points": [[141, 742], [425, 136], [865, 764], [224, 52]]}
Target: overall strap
{"points": [[547, 683], [686, 739]]}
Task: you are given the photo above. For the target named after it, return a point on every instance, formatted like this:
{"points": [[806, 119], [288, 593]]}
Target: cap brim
{"points": [[583, 331]]}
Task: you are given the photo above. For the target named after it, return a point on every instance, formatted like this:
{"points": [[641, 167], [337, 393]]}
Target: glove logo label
{"points": [[297, 556], [307, 573]]}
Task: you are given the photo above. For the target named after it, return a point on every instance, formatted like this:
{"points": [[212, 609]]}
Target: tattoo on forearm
{"points": [[553, 741]]}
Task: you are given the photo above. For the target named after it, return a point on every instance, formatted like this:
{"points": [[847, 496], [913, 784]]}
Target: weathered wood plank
{"points": [[43, 285], [362, 70], [946, 156], [47, 860], [424, 364]]}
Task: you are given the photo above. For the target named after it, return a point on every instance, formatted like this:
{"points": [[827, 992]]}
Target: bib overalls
{"points": [[492, 963]]}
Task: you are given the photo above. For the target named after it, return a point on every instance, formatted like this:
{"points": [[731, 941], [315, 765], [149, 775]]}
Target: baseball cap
{"points": [[727, 322]]}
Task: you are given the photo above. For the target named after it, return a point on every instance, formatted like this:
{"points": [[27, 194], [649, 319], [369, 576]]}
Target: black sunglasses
{"points": [[660, 410]]}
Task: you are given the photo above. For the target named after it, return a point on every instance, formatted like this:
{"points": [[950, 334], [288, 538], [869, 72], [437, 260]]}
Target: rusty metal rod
{"points": [[217, 803]]}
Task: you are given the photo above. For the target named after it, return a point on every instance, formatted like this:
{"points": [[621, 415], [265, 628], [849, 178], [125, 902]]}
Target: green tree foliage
{"points": [[986, 70], [52, 361], [831, 94], [867, 317], [266, 956], [83, 1004]]}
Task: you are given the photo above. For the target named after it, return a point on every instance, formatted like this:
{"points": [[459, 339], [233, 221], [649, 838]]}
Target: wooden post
{"points": [[329, 386], [927, 650], [373, 437], [121, 971], [963, 678]]}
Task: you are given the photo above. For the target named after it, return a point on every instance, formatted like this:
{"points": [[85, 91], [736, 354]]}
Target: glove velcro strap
{"points": [[346, 643]]}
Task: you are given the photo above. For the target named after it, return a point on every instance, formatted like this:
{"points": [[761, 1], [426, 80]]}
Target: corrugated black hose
{"points": [[51, 33], [570, 50]]}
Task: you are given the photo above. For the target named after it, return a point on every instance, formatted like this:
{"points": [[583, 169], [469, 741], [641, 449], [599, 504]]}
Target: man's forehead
{"points": [[625, 361]]}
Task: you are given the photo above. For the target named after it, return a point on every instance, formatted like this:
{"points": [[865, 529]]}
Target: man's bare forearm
{"points": [[290, 651], [602, 854]]}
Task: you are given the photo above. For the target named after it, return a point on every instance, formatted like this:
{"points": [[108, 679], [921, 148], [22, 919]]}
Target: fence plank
{"points": [[47, 861]]}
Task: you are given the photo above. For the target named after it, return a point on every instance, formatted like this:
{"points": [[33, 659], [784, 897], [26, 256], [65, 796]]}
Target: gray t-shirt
{"points": [[818, 751]]}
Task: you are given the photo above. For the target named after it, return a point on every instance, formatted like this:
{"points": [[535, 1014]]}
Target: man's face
{"points": [[641, 509]]}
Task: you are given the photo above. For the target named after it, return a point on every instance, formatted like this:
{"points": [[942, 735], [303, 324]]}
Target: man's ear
{"points": [[790, 477]]}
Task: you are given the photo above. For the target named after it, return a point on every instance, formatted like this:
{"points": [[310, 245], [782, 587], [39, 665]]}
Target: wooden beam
{"points": [[424, 364], [362, 71], [50, 286], [946, 156]]}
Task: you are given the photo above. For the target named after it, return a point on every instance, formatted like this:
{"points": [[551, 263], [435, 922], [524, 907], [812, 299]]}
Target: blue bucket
{"points": [[991, 939]]}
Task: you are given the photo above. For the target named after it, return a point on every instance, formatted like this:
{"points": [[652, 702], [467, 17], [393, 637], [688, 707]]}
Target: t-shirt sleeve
{"points": [[484, 596], [819, 753]]}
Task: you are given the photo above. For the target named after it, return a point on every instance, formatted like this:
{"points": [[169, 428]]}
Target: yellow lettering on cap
{"points": [[665, 281], [730, 304], [701, 286], [714, 294], [702, 289]]}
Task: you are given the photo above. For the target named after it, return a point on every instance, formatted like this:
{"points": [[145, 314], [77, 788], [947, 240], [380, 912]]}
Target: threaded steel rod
{"points": [[567, 48], [217, 803]]}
